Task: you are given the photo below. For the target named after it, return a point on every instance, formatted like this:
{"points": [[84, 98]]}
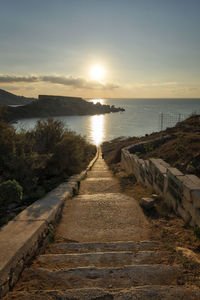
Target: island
{"points": [[51, 106]]}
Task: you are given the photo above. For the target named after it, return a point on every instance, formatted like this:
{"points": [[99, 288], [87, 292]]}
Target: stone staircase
{"points": [[98, 252]]}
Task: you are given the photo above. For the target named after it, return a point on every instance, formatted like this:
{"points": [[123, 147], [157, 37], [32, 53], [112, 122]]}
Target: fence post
{"points": [[161, 121]]}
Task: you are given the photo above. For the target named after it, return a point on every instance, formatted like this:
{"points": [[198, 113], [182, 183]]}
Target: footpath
{"points": [[101, 251]]}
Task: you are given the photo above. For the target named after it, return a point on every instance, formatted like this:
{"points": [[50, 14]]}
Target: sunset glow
{"points": [[97, 73]]}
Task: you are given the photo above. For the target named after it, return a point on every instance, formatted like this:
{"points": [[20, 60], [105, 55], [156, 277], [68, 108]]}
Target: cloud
{"points": [[79, 83], [14, 79], [157, 84]]}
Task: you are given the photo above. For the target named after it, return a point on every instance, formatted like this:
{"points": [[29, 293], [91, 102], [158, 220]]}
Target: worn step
{"points": [[99, 185], [98, 259], [100, 167], [104, 217], [154, 292], [97, 174], [84, 277], [100, 247]]}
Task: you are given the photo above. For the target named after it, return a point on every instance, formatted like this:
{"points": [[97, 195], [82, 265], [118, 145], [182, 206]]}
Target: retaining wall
{"points": [[180, 192], [23, 237]]}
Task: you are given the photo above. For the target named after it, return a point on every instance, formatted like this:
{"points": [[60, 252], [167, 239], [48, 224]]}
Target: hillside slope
{"points": [[181, 150], [7, 98]]}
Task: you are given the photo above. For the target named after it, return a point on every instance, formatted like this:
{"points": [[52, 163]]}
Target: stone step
{"points": [[99, 185], [155, 292], [97, 174], [98, 259], [100, 168], [100, 247], [110, 278]]}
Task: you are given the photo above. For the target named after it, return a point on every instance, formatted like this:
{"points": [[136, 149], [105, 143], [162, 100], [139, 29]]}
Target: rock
{"points": [[188, 254], [156, 197], [147, 203]]}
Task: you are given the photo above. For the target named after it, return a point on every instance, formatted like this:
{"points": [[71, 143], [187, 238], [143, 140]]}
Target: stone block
{"points": [[17, 240], [174, 171], [184, 214], [194, 212], [164, 163], [170, 201], [130, 164], [174, 184], [190, 182], [195, 195], [157, 164], [195, 180], [147, 203], [133, 165], [49, 206]]}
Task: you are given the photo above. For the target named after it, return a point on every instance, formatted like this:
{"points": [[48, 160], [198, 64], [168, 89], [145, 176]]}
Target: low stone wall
{"points": [[21, 238], [180, 192]]}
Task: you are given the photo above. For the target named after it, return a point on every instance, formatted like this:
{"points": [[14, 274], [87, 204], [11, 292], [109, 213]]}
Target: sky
{"points": [[145, 48]]}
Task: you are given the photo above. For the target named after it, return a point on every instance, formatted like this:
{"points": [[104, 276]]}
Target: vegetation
{"points": [[181, 149], [38, 160], [10, 191]]}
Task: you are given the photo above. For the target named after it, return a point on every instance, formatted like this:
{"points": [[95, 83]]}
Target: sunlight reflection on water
{"points": [[97, 129], [101, 101]]}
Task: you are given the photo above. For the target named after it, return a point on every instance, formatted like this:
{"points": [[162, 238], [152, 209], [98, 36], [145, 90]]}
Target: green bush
{"points": [[47, 134], [10, 191], [42, 158]]}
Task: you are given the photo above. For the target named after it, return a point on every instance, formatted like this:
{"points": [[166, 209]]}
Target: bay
{"points": [[141, 116]]}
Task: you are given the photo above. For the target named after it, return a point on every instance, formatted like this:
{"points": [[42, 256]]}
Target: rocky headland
{"points": [[7, 98], [50, 106]]}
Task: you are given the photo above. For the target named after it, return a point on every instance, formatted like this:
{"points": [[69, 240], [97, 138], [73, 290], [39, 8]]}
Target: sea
{"points": [[141, 117]]}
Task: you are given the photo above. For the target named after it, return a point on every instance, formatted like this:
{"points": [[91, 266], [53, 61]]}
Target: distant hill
{"points": [[7, 98], [51, 106]]}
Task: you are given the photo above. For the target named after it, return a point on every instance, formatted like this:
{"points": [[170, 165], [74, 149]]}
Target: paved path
{"points": [[100, 253], [100, 213]]}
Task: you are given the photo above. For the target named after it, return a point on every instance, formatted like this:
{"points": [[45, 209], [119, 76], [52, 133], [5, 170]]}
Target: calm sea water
{"points": [[141, 116]]}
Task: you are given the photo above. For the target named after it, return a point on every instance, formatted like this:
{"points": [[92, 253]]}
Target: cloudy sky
{"points": [[143, 48]]}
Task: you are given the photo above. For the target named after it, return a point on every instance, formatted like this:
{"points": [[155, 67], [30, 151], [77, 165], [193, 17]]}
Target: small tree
{"points": [[10, 191]]}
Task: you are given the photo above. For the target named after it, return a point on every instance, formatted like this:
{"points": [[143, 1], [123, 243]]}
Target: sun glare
{"points": [[97, 129], [97, 72]]}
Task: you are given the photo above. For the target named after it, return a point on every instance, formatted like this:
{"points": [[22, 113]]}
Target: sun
{"points": [[97, 72]]}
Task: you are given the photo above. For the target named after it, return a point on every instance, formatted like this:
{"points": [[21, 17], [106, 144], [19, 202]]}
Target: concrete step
{"points": [[98, 259], [99, 185], [110, 278], [100, 167], [104, 217], [147, 292], [100, 247], [98, 174]]}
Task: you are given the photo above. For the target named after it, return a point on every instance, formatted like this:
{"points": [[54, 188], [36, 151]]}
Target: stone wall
{"points": [[180, 192], [23, 237]]}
